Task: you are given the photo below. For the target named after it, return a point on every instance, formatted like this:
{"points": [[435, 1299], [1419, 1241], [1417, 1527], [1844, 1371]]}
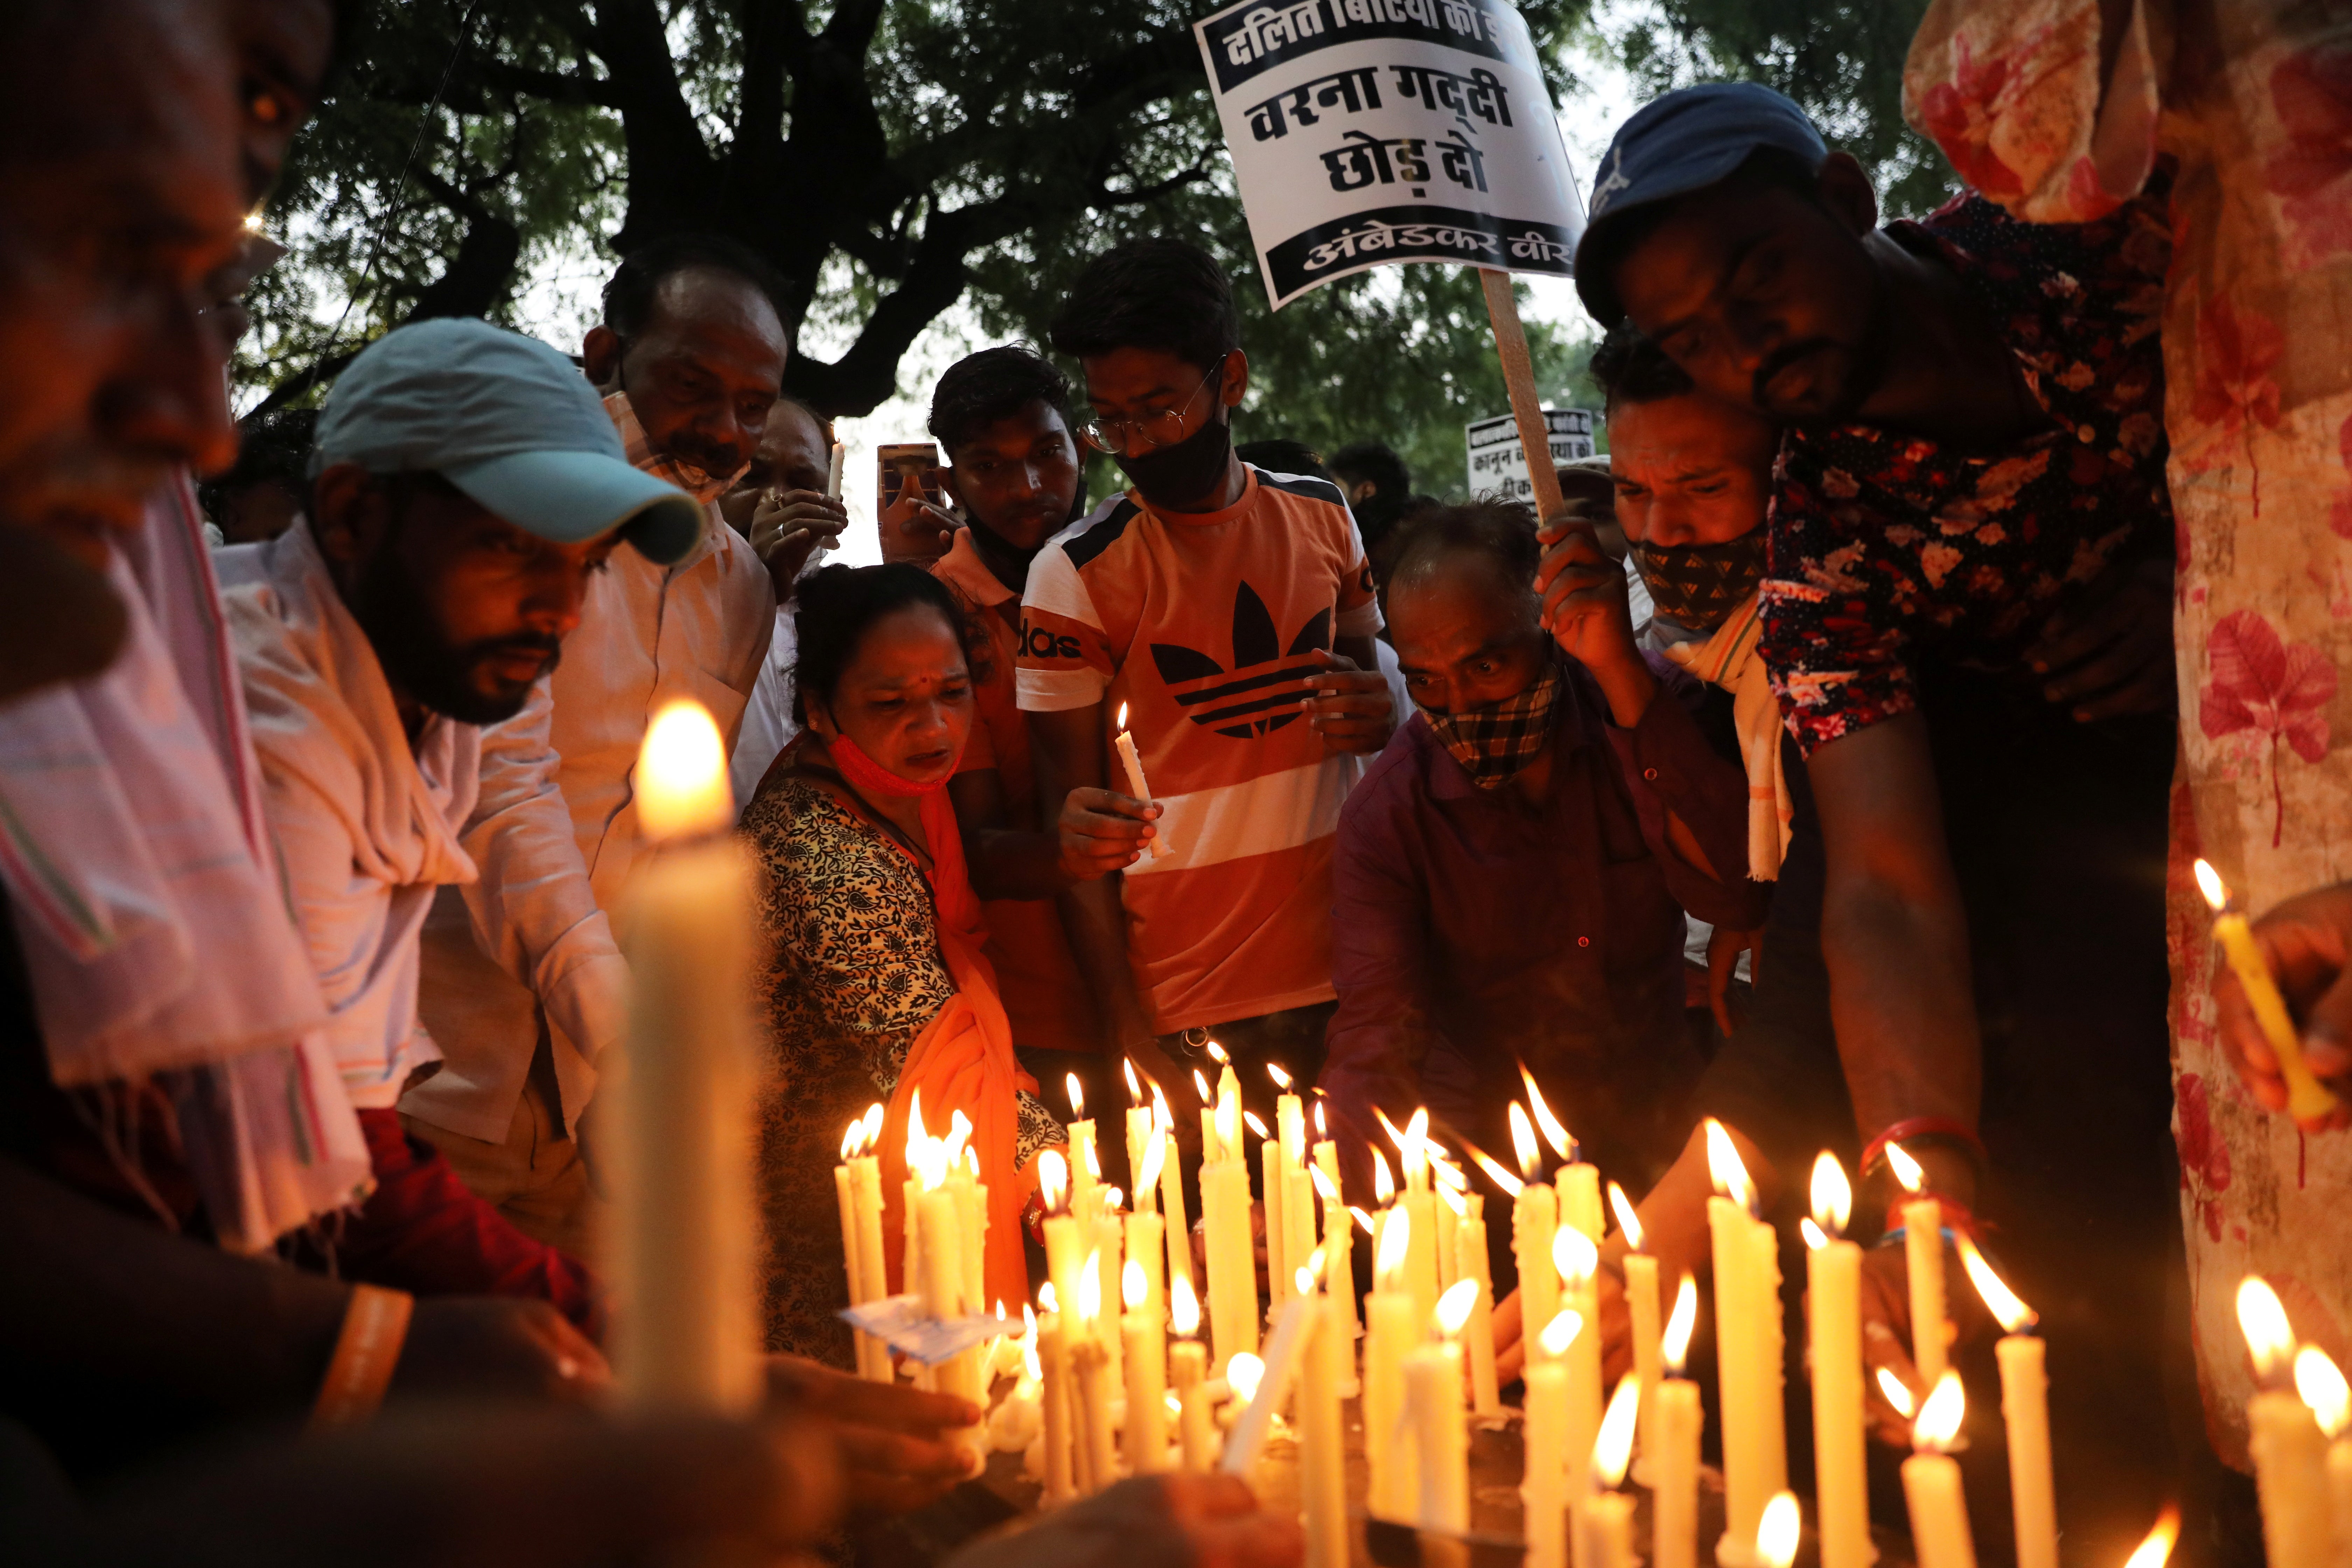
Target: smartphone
{"points": [[910, 502]]}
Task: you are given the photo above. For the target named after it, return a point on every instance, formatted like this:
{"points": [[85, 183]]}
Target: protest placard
{"points": [[1370, 132], [1498, 460]]}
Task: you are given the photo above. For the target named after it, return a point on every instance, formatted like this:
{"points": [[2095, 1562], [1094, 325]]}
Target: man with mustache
{"points": [[466, 490], [1966, 618], [523, 982]]}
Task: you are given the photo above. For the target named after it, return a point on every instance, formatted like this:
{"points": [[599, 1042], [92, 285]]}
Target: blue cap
{"points": [[1682, 142], [510, 422]]}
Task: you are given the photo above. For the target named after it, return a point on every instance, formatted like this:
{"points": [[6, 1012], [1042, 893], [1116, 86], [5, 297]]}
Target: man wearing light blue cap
{"points": [[466, 486]]}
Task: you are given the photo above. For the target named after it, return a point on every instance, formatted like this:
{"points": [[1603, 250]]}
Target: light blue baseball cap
{"points": [[510, 422]]}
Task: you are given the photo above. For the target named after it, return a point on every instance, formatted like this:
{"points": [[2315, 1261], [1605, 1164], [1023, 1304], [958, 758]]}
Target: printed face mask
{"points": [[1697, 586], [1493, 744], [694, 481]]}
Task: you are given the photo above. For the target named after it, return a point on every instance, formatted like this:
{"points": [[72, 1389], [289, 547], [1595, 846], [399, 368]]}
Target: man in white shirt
{"points": [[523, 979], [467, 490]]}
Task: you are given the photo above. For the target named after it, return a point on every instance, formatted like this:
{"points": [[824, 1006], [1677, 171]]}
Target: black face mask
{"points": [[1697, 586], [1172, 478]]}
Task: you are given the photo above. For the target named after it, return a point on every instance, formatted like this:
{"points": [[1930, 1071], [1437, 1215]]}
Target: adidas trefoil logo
{"points": [[1245, 706]]}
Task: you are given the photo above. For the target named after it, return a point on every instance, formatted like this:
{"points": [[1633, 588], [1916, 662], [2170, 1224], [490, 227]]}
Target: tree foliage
{"points": [[893, 160]]}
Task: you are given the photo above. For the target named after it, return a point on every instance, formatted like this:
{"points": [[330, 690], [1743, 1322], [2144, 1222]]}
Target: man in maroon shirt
{"points": [[1512, 873]]}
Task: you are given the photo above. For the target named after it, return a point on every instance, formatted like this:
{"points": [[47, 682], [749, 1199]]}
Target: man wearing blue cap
{"points": [[1966, 618], [466, 486]]}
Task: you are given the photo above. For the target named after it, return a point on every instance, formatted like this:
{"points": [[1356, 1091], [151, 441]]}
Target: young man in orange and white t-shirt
{"points": [[1230, 614]]}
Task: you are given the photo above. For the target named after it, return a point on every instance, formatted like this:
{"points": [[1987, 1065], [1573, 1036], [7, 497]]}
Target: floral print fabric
{"points": [[1886, 546], [2251, 103]]}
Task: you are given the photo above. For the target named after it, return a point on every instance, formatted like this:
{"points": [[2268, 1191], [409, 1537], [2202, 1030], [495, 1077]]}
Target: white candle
{"points": [[1535, 1219], [1433, 1381], [1580, 1199], [2025, 1415], [1642, 1310], [1931, 1482], [1278, 1264], [1604, 1516], [864, 1348], [1065, 1238], [1285, 1361], [833, 473], [1147, 1372], [1179, 1231], [2306, 1098], [1923, 1258], [1576, 1260], [1188, 1367], [1232, 1264], [685, 1241], [1470, 1263], [1673, 1463], [1834, 1290], [1142, 1133], [1092, 1382], [1543, 1484], [1107, 1242], [1054, 1366], [2290, 1452], [1340, 1248], [1391, 1331], [1748, 1348], [2325, 1393], [1086, 1164], [1323, 1437], [1136, 788]]}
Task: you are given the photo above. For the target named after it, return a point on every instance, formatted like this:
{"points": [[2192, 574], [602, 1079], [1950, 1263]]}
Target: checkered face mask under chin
{"points": [[1493, 744]]}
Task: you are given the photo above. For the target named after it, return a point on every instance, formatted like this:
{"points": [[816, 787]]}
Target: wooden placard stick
{"points": [[1519, 376]]}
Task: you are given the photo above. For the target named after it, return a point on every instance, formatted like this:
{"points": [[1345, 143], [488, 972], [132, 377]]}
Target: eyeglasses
{"points": [[1160, 427]]}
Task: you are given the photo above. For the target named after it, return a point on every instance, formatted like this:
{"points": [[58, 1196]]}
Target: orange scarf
{"points": [[963, 1060]]}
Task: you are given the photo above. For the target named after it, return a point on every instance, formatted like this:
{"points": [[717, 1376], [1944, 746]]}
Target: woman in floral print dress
{"points": [[873, 928]]}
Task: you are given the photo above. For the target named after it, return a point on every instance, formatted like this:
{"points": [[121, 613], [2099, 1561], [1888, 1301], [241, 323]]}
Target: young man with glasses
{"points": [[1229, 615]]}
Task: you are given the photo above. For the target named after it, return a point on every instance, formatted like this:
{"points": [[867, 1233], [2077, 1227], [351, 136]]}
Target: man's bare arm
{"points": [[1894, 936]]}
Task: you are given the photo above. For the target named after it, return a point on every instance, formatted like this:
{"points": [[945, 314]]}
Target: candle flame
{"points": [[1243, 1375], [1627, 1220], [1777, 1532], [1053, 1179], [1094, 1160], [1365, 1220], [1229, 1124], [1383, 1184], [1523, 1143], [1561, 1333], [1998, 1299], [1512, 1186], [2323, 1388], [1906, 1170], [1200, 1083], [1730, 1173], [1453, 1200], [1673, 1345], [875, 1116], [1155, 1157], [1815, 1236], [1323, 1186], [1160, 1120], [1256, 1125], [2210, 883], [1134, 1087], [1322, 1128], [1030, 1367], [1113, 1200], [1281, 1079], [849, 1140], [1133, 1288], [1396, 1241], [681, 776], [1897, 1394], [1047, 1300], [915, 1128], [1447, 1172], [1614, 1444], [1573, 1253], [2261, 1317], [1088, 1293], [1454, 1307], [1183, 1307], [971, 1160], [2152, 1553], [1122, 716], [1557, 1135], [1313, 1269], [1417, 1127], [1939, 1417], [1078, 1093], [1217, 1053], [1832, 1194], [958, 1134]]}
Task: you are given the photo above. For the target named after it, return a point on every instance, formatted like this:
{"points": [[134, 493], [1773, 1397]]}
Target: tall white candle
{"points": [[1179, 1230], [1323, 1438], [1604, 1516], [685, 1241], [1053, 1368], [1279, 1265], [2025, 1415], [1433, 1381], [1339, 1249], [2290, 1452], [1931, 1482], [1146, 1374], [1834, 1293], [1142, 1133], [833, 472], [1188, 1362], [1470, 1263], [1543, 1484], [1673, 1470], [1748, 1348], [1535, 1219], [2324, 1392], [1578, 1261], [1391, 1331], [1092, 1382], [863, 1287], [1232, 1265], [1086, 1164], [1136, 788], [1923, 1258]]}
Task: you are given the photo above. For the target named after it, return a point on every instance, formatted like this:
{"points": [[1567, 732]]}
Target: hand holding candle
{"points": [[2307, 1100], [1136, 787]]}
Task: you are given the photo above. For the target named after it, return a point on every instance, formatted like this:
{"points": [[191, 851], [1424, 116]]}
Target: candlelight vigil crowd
{"points": [[1796, 1004]]}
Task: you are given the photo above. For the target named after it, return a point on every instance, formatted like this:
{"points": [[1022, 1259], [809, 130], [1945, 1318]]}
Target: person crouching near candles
{"points": [[780, 505], [1513, 873], [1013, 468], [878, 987], [467, 487]]}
